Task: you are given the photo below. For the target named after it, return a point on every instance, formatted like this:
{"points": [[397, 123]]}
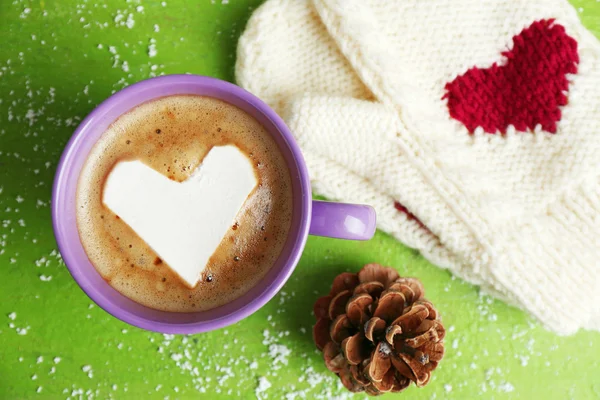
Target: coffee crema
{"points": [[172, 135]]}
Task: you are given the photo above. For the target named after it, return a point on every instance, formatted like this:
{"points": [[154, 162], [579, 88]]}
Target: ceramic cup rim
{"points": [[63, 200]]}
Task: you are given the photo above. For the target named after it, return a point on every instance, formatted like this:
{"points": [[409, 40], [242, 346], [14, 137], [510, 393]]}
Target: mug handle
{"points": [[342, 221]]}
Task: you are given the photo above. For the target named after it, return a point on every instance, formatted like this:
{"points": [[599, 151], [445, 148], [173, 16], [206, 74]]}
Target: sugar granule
{"points": [[23, 331], [506, 387], [152, 52], [279, 353], [263, 386], [130, 22]]}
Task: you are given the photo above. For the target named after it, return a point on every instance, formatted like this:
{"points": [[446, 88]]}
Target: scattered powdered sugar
{"points": [[20, 330], [26, 11], [152, 52], [263, 386], [506, 387], [123, 18], [87, 369], [233, 374], [41, 115], [23, 331], [130, 22], [279, 353]]}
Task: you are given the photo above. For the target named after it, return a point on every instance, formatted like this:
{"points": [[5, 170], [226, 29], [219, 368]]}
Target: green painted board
{"points": [[59, 59]]}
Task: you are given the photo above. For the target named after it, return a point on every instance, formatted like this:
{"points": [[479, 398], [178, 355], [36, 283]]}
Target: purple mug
{"points": [[346, 221]]}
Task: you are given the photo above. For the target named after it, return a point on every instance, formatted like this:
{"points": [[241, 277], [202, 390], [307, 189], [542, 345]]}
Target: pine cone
{"points": [[377, 332]]}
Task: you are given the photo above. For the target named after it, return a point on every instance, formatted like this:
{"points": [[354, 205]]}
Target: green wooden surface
{"points": [[56, 64]]}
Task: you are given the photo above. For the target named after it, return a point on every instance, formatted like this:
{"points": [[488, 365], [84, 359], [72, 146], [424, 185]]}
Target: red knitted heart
{"points": [[526, 91]]}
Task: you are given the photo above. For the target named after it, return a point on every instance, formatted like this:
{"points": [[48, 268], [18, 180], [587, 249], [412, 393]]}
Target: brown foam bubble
{"points": [[172, 135]]}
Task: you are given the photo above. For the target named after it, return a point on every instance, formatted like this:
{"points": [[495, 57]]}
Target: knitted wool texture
{"points": [[404, 105]]}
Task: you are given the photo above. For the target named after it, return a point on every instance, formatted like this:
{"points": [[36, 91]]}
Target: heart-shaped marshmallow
{"points": [[183, 222]]}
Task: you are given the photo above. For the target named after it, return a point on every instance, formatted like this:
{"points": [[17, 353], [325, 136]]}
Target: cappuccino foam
{"points": [[172, 135]]}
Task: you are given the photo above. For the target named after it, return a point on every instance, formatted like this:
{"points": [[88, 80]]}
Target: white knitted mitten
{"points": [[472, 127]]}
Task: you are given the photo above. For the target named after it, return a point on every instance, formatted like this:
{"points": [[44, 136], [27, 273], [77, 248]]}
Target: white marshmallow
{"points": [[182, 222]]}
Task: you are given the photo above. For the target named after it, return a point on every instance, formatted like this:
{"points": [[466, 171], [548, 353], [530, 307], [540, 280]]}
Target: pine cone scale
{"points": [[374, 327], [391, 332], [390, 305], [380, 362], [357, 372], [340, 328], [337, 306], [371, 288], [413, 318], [349, 382], [387, 383], [321, 334], [321, 307], [434, 333], [415, 286], [357, 308], [344, 281], [433, 314], [434, 350], [352, 349], [400, 383], [418, 370], [334, 360], [375, 273]]}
